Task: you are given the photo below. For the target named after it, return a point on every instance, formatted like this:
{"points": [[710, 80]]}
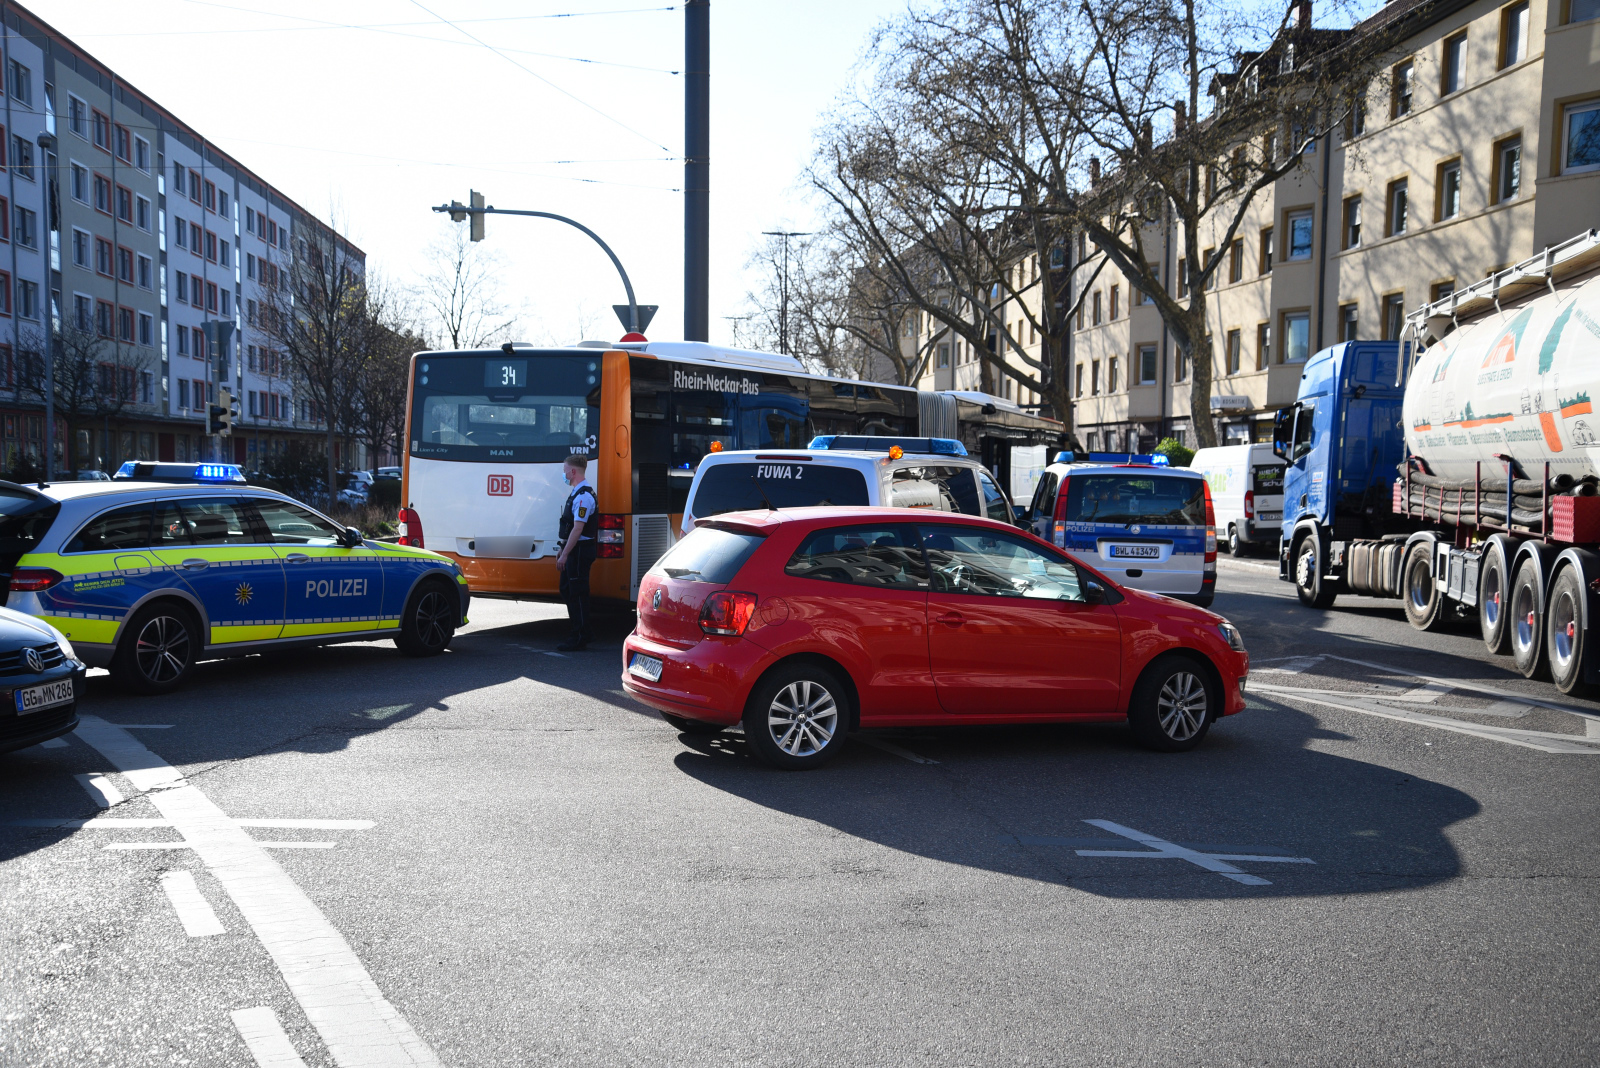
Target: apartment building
{"points": [[1480, 147], [146, 285]]}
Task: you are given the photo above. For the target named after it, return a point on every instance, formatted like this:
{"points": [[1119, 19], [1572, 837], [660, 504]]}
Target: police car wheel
{"points": [[158, 648], [429, 621]]}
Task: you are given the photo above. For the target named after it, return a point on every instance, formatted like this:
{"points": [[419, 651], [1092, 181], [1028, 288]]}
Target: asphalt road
{"points": [[522, 867]]}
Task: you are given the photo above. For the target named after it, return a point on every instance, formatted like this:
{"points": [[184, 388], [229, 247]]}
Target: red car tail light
{"points": [[410, 528], [611, 537], [727, 612], [1211, 527], [1249, 504], [33, 579]]}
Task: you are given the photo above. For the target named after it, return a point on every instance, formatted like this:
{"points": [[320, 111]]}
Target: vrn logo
{"points": [[499, 485]]}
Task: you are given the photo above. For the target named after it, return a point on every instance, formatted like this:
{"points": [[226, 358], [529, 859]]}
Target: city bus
{"points": [[487, 431]]}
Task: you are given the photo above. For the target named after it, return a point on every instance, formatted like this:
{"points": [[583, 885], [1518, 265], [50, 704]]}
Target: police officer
{"points": [[577, 550]]}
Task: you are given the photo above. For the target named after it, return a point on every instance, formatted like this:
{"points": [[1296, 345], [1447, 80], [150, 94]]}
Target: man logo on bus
{"points": [[499, 485]]}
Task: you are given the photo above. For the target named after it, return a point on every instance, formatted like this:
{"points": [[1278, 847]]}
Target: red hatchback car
{"points": [[809, 622]]}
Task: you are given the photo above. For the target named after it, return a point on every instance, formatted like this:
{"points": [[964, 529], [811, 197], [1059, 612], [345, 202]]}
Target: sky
{"points": [[368, 112]]}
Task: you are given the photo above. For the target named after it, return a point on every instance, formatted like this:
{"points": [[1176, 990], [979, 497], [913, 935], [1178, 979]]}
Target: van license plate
{"points": [[646, 667], [1269, 517], [49, 695], [1137, 552]]}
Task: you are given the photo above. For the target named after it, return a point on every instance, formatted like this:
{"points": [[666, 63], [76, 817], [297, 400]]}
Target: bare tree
{"points": [[382, 382], [95, 381], [461, 294]]}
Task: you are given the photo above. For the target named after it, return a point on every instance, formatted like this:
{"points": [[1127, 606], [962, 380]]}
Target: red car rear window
{"points": [[709, 554]]}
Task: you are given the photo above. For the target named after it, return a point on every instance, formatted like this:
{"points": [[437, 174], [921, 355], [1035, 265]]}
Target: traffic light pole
{"points": [[459, 209]]}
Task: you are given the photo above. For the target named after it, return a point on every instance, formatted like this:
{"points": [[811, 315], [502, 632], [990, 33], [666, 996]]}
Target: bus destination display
{"points": [[505, 374]]}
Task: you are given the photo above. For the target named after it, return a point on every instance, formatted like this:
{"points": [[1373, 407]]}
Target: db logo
{"points": [[499, 485]]}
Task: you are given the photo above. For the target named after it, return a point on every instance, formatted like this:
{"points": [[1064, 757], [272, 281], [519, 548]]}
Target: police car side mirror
{"points": [[350, 538]]}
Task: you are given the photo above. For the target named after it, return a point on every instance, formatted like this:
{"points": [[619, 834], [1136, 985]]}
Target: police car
{"points": [[1141, 522], [169, 564], [846, 470]]}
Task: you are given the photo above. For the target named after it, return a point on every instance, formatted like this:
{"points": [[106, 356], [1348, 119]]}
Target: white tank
{"points": [[1520, 383]]}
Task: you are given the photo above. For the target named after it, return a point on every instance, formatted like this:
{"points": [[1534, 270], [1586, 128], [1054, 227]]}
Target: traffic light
{"points": [[477, 216], [219, 417]]}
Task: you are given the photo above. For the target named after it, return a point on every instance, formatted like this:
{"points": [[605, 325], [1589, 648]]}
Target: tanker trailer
{"points": [[1462, 474]]}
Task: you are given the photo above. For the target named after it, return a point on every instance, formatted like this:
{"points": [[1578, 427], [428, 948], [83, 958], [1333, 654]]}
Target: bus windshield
{"points": [[522, 407]]}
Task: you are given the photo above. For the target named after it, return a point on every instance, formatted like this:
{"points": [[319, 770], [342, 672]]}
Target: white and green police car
{"points": [[169, 564]]}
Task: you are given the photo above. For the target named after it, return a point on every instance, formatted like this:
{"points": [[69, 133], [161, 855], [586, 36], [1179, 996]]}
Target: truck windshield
{"points": [[523, 407], [1169, 500]]}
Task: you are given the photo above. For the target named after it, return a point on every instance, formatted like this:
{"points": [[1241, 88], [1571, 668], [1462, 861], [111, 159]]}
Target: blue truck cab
{"points": [[1342, 440]]}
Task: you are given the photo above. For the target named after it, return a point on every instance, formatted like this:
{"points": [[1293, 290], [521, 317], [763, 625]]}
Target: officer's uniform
{"points": [[580, 508]]}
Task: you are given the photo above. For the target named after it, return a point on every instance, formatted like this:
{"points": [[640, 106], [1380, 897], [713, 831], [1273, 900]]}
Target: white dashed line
{"points": [[193, 910], [263, 1036], [101, 789], [358, 1024]]}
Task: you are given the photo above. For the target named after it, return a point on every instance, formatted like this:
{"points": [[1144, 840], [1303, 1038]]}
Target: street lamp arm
{"points": [[633, 305]]}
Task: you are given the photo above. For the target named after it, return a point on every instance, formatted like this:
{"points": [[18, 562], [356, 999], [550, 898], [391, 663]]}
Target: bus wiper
{"points": [[764, 498]]}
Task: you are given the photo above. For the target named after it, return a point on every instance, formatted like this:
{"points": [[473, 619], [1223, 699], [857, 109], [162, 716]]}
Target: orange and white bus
{"points": [[486, 432]]}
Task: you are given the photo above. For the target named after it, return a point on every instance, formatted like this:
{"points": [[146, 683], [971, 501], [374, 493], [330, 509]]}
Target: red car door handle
{"points": [[951, 619]]}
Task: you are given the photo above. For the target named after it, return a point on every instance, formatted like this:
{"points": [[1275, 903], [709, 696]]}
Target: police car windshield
{"points": [[734, 487], [24, 517], [528, 407], [1136, 498]]}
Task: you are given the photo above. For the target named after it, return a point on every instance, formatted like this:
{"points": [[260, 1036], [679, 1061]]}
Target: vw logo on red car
{"points": [[499, 485]]}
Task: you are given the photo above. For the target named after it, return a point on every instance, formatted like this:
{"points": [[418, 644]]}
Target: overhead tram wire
{"points": [[494, 18], [528, 70]]}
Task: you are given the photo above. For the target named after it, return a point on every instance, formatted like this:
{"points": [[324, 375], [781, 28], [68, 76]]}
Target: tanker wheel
{"points": [[1418, 592], [1314, 588], [1494, 605], [1527, 626], [1566, 644]]}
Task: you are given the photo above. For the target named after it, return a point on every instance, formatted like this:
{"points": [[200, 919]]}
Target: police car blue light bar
{"points": [[1154, 459], [145, 471], [873, 443]]}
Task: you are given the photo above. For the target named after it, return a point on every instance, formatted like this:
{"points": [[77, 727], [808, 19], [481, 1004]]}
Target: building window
{"points": [[1513, 34], [1116, 302], [22, 157], [125, 324], [1147, 365], [124, 144], [211, 196], [1355, 123], [211, 246], [147, 329], [1401, 81], [1297, 224], [1582, 10], [1352, 222], [180, 290], [1394, 316], [1094, 377], [1097, 309], [1296, 337], [1183, 277], [146, 272], [20, 83], [183, 341], [102, 129], [1236, 260], [1155, 274], [77, 116], [1208, 259], [1581, 135], [222, 202], [177, 177], [26, 227], [80, 183], [102, 194], [194, 186], [1263, 346], [1508, 169], [27, 299], [141, 213], [1397, 208], [1266, 250], [1112, 378], [125, 204], [1180, 365], [194, 238], [1441, 290], [222, 253], [1233, 351], [1447, 189], [80, 249], [1347, 322], [147, 382], [125, 265], [1453, 64], [82, 312], [183, 393], [141, 154], [102, 256], [1077, 390]]}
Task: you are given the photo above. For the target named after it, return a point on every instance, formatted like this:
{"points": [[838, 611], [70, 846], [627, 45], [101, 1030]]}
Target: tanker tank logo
{"points": [[1575, 405], [1582, 435], [1467, 420], [1505, 349], [1547, 351]]}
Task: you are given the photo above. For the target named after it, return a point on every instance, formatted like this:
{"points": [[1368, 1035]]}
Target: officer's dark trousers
{"points": [[575, 589]]}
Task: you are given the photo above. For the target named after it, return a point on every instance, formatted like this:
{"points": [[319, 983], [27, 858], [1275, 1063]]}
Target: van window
{"points": [[944, 489], [1141, 498], [995, 505], [708, 554], [733, 487], [884, 557]]}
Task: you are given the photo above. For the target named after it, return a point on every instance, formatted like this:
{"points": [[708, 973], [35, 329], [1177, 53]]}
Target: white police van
{"points": [[900, 472], [1140, 521]]}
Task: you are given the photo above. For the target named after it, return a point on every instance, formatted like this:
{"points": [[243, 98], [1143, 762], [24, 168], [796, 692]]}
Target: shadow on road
{"points": [[1014, 801]]}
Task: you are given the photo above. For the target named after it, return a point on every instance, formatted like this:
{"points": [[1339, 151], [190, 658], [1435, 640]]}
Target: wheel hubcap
{"points": [[1491, 609], [1527, 619], [1303, 571], [803, 718], [432, 619], [1181, 708], [1564, 626], [162, 649]]}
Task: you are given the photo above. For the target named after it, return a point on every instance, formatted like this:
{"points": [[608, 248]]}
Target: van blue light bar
{"points": [[874, 443], [1154, 459]]}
